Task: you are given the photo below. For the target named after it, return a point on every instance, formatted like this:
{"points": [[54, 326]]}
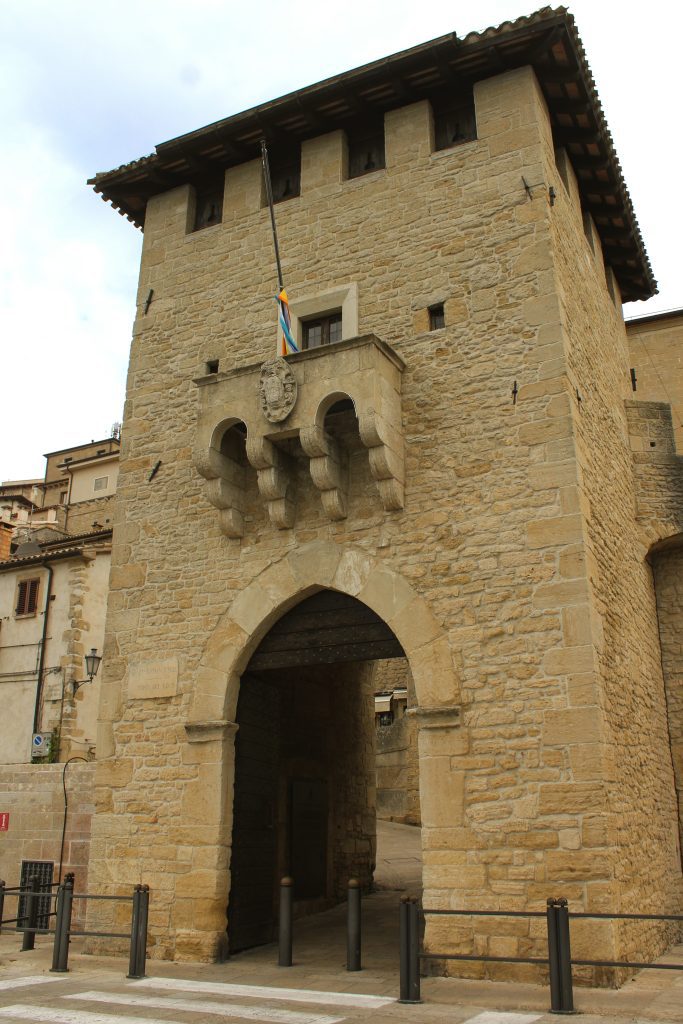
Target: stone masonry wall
{"points": [[34, 797], [657, 469], [484, 574], [667, 566], [398, 779], [656, 354], [621, 801], [83, 516]]}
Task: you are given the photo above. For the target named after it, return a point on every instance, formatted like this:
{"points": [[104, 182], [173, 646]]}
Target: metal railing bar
{"points": [[17, 891], [91, 896], [630, 917], [22, 890], [488, 959], [486, 913], [624, 963], [104, 935]]}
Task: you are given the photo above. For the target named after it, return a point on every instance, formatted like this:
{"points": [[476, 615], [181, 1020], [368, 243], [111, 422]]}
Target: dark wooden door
{"points": [[308, 814], [253, 867]]}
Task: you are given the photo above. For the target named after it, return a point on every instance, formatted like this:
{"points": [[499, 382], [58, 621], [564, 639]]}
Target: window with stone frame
{"points": [[366, 147], [437, 317], [27, 596], [208, 203], [322, 330], [285, 174], [454, 119]]}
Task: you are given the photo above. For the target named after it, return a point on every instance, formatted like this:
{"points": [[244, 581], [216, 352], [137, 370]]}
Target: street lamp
{"points": [[92, 663]]}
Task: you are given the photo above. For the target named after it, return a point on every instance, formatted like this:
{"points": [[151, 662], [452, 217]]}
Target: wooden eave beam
{"points": [[565, 134], [558, 76], [587, 161], [545, 45], [569, 106], [598, 188], [613, 210]]}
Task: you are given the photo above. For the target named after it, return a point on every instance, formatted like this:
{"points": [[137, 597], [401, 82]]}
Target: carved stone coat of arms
{"points": [[277, 389]]}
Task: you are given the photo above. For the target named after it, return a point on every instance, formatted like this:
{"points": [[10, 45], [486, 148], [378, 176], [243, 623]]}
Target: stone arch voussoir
{"points": [[303, 571]]}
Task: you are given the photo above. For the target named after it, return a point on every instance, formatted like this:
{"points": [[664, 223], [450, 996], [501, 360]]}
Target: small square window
{"points": [[454, 120], [27, 597], [285, 175], [212, 366], [208, 205], [101, 483], [366, 148], [324, 330], [437, 317]]}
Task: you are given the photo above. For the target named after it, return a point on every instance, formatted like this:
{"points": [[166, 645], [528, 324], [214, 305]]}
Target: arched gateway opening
{"points": [[305, 773]]}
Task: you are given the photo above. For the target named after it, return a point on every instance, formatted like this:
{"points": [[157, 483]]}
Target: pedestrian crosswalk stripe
{"points": [[292, 995], [50, 1015], [503, 1017], [264, 1013], [31, 979]]}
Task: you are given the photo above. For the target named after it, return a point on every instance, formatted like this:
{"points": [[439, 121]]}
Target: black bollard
{"points": [[353, 926], [60, 951], [285, 924], [404, 954], [414, 953], [31, 919], [564, 956], [553, 959], [134, 934], [143, 917], [2, 901], [59, 924]]}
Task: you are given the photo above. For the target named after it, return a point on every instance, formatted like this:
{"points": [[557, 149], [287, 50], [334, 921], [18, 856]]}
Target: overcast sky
{"points": [[86, 87]]}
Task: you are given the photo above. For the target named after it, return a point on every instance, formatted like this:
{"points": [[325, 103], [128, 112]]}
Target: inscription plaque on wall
{"points": [[150, 679]]}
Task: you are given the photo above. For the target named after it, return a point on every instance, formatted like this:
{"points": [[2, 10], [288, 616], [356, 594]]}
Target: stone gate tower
{"points": [[452, 470]]}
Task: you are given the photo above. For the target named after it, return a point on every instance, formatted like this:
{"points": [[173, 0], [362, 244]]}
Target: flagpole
{"points": [[269, 194]]}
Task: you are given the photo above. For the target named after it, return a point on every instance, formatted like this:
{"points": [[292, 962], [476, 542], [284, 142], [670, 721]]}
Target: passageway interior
{"points": [[305, 773]]}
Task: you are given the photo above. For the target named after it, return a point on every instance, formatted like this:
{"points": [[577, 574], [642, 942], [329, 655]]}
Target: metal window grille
{"points": [[44, 869]]}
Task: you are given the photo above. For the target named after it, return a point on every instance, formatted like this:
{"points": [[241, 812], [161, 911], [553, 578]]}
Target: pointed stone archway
{"points": [[316, 566], [211, 725]]}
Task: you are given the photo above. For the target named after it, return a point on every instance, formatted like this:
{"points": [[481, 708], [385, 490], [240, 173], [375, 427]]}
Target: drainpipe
{"points": [[41, 661]]}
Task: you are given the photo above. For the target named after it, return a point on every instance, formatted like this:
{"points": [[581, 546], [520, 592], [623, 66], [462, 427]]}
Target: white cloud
{"points": [[84, 89]]}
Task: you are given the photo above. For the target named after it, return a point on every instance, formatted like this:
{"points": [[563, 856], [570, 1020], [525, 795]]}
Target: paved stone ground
{"points": [[317, 989]]}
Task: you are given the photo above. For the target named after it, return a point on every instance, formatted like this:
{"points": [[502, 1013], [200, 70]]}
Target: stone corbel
{"points": [[436, 718], [328, 470], [385, 452], [275, 479], [224, 488], [208, 732]]}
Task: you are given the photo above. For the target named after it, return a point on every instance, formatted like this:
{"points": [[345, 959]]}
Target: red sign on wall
{"points": [[4, 821]]}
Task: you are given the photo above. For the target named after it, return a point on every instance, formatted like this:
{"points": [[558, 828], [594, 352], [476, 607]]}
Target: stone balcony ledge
{"points": [[266, 404]]}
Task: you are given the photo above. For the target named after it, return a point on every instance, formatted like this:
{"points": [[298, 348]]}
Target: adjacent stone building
{"points": [[453, 471], [54, 578]]}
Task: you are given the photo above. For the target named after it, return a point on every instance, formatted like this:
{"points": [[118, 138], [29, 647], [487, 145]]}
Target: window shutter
{"points": [[27, 597]]}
